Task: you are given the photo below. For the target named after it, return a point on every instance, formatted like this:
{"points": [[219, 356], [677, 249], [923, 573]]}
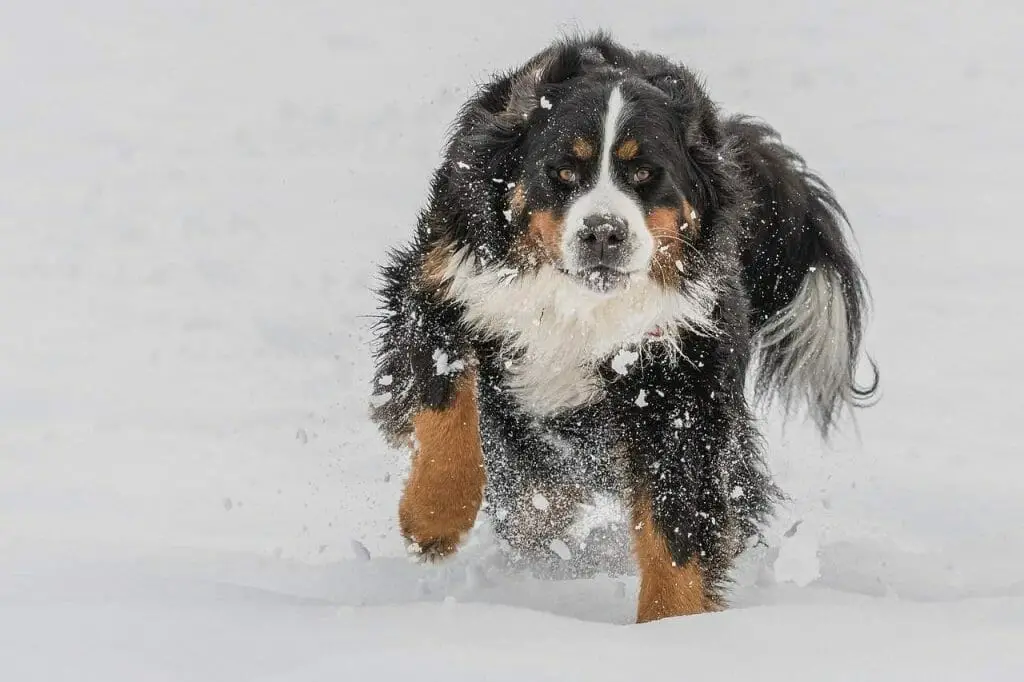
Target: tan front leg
{"points": [[446, 485], [666, 589]]}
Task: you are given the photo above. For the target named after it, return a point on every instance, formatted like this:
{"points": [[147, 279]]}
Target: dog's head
{"points": [[596, 162]]}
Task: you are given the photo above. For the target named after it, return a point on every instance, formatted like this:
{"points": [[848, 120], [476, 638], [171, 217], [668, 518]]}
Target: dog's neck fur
{"points": [[555, 333]]}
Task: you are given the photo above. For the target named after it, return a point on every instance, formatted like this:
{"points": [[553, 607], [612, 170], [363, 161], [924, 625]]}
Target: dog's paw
{"points": [[431, 550]]}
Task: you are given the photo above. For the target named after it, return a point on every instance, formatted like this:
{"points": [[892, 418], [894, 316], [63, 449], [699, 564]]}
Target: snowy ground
{"points": [[193, 199]]}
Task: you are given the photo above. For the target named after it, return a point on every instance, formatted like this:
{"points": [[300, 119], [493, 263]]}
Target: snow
{"points": [[443, 366], [797, 561], [194, 199], [623, 359], [561, 549]]}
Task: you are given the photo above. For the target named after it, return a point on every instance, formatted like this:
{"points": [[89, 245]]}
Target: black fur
{"points": [[689, 443]]}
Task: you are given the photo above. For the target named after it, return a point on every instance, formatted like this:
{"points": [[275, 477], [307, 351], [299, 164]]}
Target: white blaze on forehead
{"points": [[607, 197], [612, 119]]}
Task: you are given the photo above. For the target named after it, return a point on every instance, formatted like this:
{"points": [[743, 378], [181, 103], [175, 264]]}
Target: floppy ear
{"points": [[697, 114], [550, 68], [700, 137], [492, 125], [499, 114], [523, 90], [485, 152]]}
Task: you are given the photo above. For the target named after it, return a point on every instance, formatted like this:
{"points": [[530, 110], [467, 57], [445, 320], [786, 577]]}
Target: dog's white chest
{"points": [[547, 380], [555, 334]]}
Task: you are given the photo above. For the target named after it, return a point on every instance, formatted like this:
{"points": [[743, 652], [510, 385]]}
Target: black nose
{"points": [[603, 240]]}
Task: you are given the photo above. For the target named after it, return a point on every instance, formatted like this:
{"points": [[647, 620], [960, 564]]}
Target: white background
{"points": [[194, 199]]}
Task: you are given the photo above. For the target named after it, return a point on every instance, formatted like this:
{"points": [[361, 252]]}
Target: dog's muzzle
{"points": [[602, 253]]}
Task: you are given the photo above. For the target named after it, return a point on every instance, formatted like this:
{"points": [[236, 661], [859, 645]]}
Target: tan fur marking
{"points": [[691, 221], [543, 239], [517, 199], [666, 590], [446, 484], [663, 224], [434, 265], [582, 149], [628, 150]]}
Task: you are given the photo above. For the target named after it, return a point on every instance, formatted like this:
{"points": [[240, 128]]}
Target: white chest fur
{"points": [[556, 333]]}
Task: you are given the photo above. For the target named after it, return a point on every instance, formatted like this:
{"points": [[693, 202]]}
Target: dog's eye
{"points": [[567, 176], [642, 175]]}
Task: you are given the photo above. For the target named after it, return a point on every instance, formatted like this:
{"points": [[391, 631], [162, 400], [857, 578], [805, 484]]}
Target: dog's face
{"points": [[576, 214], [603, 191]]}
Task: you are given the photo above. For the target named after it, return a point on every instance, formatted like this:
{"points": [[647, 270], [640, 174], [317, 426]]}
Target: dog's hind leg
{"points": [[445, 488]]}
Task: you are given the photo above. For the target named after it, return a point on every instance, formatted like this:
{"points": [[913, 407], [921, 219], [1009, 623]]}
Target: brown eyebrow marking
{"points": [[582, 149], [628, 149]]}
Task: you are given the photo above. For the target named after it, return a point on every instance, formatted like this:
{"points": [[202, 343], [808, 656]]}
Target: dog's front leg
{"points": [[425, 394], [445, 488], [680, 439], [671, 583]]}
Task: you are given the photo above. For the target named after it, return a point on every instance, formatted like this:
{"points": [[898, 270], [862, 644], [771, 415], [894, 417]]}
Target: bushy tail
{"points": [[809, 297]]}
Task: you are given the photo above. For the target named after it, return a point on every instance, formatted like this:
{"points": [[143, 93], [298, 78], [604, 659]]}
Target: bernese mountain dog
{"points": [[608, 274]]}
